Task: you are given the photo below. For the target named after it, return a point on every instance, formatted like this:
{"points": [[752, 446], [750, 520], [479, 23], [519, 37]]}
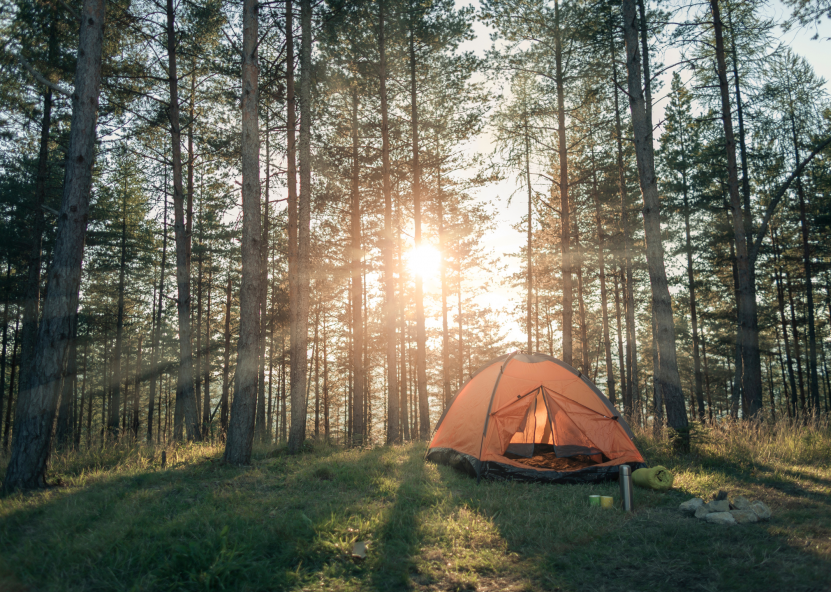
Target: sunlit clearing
{"points": [[424, 261]]}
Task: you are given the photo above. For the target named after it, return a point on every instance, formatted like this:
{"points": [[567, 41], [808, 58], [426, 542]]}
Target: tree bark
{"points": [[565, 220], [529, 265], [393, 424], [356, 286], [628, 372], [699, 389], [31, 302], [157, 331], [581, 303], [299, 365], [64, 425], [261, 431], [780, 300], [186, 412], [746, 302], [813, 378], [9, 400], [421, 331], [8, 291], [668, 381], [601, 264], [115, 403], [38, 400], [226, 366], [206, 366], [241, 427]]}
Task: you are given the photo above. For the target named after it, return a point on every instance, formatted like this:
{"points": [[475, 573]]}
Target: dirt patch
{"points": [[549, 460]]}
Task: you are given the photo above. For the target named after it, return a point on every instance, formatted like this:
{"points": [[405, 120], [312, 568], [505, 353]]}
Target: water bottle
{"points": [[625, 481]]}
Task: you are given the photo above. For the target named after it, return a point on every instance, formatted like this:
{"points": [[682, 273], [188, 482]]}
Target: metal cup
{"points": [[625, 482]]}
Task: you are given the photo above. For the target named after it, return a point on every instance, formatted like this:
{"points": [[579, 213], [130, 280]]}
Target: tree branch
{"points": [[39, 77], [754, 252]]}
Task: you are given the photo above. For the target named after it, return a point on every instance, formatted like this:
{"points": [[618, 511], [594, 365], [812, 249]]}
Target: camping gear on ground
{"points": [[594, 500], [607, 501], [532, 417], [658, 478], [625, 478]]}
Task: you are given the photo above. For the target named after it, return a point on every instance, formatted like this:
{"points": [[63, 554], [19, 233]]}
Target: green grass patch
{"points": [[121, 522]]}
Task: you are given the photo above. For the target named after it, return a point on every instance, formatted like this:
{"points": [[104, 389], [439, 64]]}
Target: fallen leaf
{"points": [[359, 550]]}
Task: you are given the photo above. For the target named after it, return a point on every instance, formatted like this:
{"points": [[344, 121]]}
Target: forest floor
{"points": [[122, 522]]}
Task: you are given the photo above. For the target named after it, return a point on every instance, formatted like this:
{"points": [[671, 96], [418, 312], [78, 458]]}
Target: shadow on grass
{"points": [[399, 537], [288, 522]]}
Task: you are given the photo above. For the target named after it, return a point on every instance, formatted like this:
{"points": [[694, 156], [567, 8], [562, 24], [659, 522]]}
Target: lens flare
{"points": [[424, 261]]}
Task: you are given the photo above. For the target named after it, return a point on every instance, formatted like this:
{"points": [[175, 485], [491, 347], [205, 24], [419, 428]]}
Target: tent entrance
{"points": [[547, 431], [534, 431]]}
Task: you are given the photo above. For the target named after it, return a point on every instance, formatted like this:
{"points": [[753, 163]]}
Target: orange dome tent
{"points": [[534, 418]]}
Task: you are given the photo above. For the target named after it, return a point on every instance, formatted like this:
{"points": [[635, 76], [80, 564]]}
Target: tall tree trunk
{"points": [[63, 427], [629, 371], [356, 286], [115, 403], [421, 331], [780, 298], [748, 227], [326, 382], [7, 290], [31, 303], [796, 342], [226, 365], [529, 265], [699, 390], [601, 264], [577, 259], [261, 430], [154, 354], [38, 400], [393, 424], [137, 391], [565, 220], [404, 395], [297, 357], [9, 400], [206, 365], [621, 363], [197, 370], [668, 381], [241, 427], [316, 350], [813, 378], [746, 303], [445, 330], [301, 337], [83, 399], [186, 411]]}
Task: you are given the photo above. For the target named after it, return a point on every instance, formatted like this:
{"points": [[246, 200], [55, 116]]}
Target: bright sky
{"points": [[505, 240]]}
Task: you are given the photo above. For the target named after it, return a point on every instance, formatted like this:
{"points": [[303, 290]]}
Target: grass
{"points": [[121, 522]]}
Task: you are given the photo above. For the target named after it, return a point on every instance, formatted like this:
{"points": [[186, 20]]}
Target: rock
{"points": [[720, 518], [744, 516], [702, 511], [740, 503], [761, 509], [719, 506], [721, 495], [689, 507]]}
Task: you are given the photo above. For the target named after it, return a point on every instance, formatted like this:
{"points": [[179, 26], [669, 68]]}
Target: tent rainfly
{"points": [[531, 417]]}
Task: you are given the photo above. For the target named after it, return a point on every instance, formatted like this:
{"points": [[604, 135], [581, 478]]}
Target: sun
{"points": [[424, 261]]}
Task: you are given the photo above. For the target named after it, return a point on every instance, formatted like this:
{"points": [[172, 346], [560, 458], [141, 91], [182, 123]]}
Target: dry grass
{"points": [[288, 523]]}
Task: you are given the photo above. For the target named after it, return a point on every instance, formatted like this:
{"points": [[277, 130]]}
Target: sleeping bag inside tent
{"points": [[532, 417]]}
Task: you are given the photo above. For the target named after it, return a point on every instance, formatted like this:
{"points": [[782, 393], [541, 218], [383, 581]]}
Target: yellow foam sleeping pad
{"points": [[658, 478]]}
